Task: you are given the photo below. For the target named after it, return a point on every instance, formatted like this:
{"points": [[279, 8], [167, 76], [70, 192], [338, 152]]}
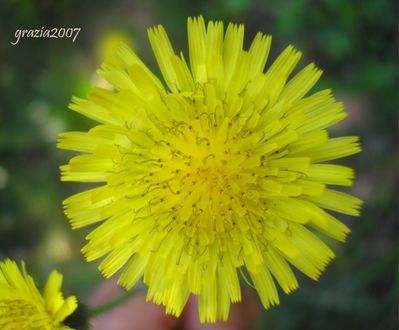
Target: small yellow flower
{"points": [[218, 171], [23, 307]]}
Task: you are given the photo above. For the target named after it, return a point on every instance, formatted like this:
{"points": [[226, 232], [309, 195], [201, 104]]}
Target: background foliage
{"points": [[353, 41]]}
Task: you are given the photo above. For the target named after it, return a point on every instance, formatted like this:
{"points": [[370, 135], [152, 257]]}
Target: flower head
{"points": [[220, 170], [22, 306]]}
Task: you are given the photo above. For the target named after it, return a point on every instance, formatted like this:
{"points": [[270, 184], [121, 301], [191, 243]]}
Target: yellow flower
{"points": [[218, 171], [23, 307]]}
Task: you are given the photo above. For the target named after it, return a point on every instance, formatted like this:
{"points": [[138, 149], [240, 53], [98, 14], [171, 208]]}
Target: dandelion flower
{"points": [[215, 172], [22, 306]]}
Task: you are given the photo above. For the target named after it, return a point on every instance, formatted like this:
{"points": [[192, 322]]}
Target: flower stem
{"points": [[102, 309]]}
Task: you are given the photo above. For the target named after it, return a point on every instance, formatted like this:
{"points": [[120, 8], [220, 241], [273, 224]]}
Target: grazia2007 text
{"points": [[57, 33]]}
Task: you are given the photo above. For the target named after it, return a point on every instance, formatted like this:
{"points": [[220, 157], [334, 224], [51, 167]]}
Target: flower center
{"points": [[22, 314], [198, 166]]}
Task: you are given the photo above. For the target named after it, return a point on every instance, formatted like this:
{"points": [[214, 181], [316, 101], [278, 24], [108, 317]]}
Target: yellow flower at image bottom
{"points": [[22, 306], [218, 171]]}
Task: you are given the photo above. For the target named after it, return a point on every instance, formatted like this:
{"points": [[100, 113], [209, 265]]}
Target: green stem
{"points": [[112, 304]]}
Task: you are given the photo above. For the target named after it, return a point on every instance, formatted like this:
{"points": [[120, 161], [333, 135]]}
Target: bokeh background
{"points": [[353, 41]]}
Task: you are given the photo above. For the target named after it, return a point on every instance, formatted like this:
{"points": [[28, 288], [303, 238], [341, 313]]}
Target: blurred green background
{"points": [[353, 41]]}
